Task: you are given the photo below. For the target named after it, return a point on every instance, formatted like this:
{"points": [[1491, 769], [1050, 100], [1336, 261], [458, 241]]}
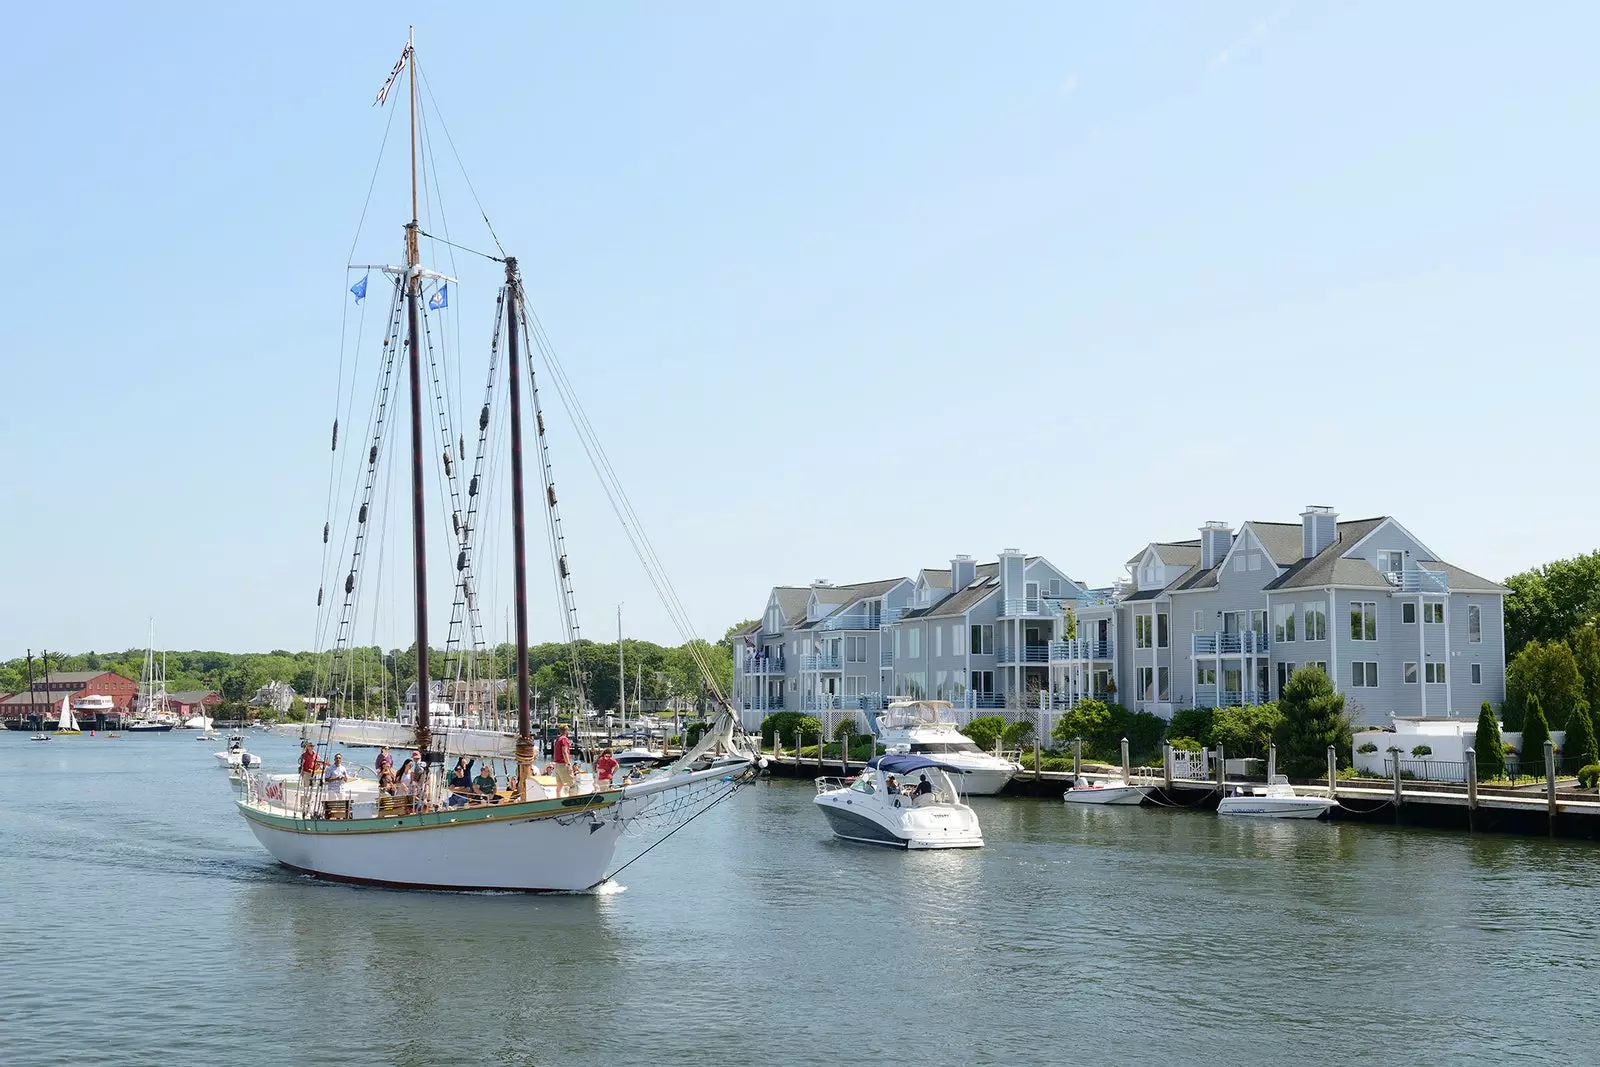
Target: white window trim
{"points": [[1477, 674], [1409, 673], [1474, 610]]}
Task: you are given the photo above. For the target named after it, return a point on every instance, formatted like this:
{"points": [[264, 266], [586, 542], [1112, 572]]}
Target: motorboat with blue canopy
{"points": [[902, 800]]}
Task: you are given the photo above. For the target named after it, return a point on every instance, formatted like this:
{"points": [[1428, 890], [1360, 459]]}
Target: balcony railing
{"points": [[861, 621], [1418, 580], [1209, 696], [1215, 644], [819, 663], [886, 657], [1090, 599], [1036, 653], [1079, 649], [868, 705], [1018, 607], [764, 665], [763, 704]]}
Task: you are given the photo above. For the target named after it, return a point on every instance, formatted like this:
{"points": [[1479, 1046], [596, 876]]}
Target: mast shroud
{"points": [[519, 534]]}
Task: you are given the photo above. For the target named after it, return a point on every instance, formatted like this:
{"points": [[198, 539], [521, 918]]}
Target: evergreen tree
{"points": [[1535, 732], [1580, 741], [1490, 749], [1313, 718]]}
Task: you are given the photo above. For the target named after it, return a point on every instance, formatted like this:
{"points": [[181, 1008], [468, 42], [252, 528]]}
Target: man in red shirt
{"points": [[308, 764], [563, 761]]}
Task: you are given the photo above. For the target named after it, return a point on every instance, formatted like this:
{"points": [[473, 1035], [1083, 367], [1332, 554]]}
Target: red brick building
{"points": [[44, 700]]}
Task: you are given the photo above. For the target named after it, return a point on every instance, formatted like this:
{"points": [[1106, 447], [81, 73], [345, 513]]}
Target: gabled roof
{"points": [[1463, 581], [1280, 540], [1181, 552], [960, 602], [749, 629], [190, 696], [1329, 568], [79, 677], [792, 601], [935, 578]]}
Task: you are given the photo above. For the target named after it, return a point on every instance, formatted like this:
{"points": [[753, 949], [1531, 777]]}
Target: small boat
{"points": [[875, 808], [1277, 801], [635, 758], [236, 756], [1086, 792], [67, 724], [39, 737]]}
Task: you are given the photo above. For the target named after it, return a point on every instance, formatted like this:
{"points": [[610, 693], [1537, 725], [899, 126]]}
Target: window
{"points": [[1198, 621], [1161, 629], [855, 650], [983, 681], [914, 642], [1147, 683], [1141, 631], [1477, 674], [1282, 622], [1408, 613], [1055, 587], [1316, 620], [1255, 561], [941, 685], [1232, 679], [1204, 675], [1363, 620], [956, 632], [1391, 561], [1320, 664], [1258, 622], [1031, 590], [983, 640], [855, 685], [938, 642], [959, 685], [1238, 562], [1434, 673], [1433, 612], [1164, 683], [1474, 624], [1409, 675], [896, 645], [1364, 675]]}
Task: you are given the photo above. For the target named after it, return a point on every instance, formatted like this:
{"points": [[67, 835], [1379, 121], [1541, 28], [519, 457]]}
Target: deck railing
{"points": [[1218, 643], [1079, 649], [1025, 653], [764, 665]]}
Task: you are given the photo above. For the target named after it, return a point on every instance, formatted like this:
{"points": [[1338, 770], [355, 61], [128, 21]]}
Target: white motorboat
{"points": [[39, 737], [635, 758], [236, 756], [929, 728], [1277, 801], [883, 806], [92, 707], [1086, 792]]}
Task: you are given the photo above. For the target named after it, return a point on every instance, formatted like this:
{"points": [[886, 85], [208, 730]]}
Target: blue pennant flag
{"points": [[360, 288], [441, 299]]}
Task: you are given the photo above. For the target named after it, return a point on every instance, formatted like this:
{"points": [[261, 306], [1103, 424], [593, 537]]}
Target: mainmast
{"points": [[519, 536], [419, 536]]}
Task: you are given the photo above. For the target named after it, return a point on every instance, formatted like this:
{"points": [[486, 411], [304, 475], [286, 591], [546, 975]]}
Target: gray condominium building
{"points": [[1215, 621]]}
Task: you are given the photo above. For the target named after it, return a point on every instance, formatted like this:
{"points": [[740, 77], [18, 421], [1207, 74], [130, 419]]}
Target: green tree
{"points": [[1018, 734], [1551, 602], [1246, 731], [1580, 740], [1549, 671], [985, 730], [1586, 653], [1193, 723], [1313, 717], [1535, 732], [1089, 720], [1490, 750]]}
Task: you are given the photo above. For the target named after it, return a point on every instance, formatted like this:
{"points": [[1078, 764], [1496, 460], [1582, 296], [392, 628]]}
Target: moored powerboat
{"points": [[929, 728], [1277, 801], [236, 756], [1086, 792], [875, 808]]}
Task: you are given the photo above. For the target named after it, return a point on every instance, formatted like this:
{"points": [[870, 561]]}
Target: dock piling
{"points": [[1166, 763], [1125, 761], [1272, 761], [1472, 785], [1394, 754], [1550, 781], [1036, 759], [1077, 759], [1222, 770], [1333, 773]]}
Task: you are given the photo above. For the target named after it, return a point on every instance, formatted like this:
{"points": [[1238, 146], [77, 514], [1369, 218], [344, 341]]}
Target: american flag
{"points": [[383, 94]]}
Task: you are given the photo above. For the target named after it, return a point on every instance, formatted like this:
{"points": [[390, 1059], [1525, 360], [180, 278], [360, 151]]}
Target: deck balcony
{"points": [[1030, 607], [1079, 650], [1419, 580], [870, 620], [764, 665], [819, 663], [758, 703], [1025, 653], [1248, 643], [1211, 696]]}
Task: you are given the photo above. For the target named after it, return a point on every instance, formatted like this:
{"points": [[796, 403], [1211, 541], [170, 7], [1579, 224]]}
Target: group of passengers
{"points": [[923, 787]]}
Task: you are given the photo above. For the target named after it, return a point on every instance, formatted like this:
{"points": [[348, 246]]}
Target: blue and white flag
{"points": [[441, 299], [360, 288]]}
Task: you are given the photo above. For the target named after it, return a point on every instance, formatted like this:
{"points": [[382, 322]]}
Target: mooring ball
{"points": [[762, 763]]}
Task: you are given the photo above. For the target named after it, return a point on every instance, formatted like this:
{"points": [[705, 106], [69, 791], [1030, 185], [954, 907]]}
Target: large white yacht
{"points": [[929, 728]]}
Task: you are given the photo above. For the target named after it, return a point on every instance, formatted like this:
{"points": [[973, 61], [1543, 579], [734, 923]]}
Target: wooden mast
{"points": [[419, 536], [519, 537]]}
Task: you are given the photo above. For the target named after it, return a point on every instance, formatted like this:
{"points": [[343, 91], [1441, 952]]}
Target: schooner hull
{"points": [[486, 850]]}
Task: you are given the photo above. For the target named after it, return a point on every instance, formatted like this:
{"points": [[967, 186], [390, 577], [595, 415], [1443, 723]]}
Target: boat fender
{"points": [[372, 455], [362, 517], [483, 419], [897, 802]]}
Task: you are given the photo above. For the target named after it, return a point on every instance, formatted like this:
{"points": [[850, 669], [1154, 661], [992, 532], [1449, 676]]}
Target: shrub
{"points": [[1184, 744], [1246, 731], [1535, 728], [1491, 753], [1313, 719], [845, 730], [1422, 750], [1192, 722], [1089, 720], [780, 724], [1017, 735], [1367, 748], [984, 730], [1580, 742], [1103, 726], [1589, 777]]}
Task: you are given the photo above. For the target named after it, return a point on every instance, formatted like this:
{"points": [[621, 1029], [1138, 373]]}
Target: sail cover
{"points": [[458, 741]]}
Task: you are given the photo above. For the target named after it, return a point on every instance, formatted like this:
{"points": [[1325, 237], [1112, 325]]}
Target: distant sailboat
{"points": [[68, 723]]}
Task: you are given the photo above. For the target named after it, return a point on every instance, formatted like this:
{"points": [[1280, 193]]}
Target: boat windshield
{"points": [[863, 784], [944, 748]]}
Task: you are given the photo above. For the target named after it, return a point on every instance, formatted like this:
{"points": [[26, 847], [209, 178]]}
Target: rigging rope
{"points": [[738, 783]]}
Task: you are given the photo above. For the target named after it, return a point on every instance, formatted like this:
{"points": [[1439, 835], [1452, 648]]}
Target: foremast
{"points": [[519, 535], [419, 532]]}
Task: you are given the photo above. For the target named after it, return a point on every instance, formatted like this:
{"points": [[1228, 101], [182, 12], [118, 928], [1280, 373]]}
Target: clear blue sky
{"points": [[847, 288]]}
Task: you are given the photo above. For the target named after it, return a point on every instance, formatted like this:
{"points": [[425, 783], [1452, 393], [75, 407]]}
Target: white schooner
{"points": [[533, 835]]}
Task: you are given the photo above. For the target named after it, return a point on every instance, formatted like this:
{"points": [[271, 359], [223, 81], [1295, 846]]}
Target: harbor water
{"points": [[140, 923]]}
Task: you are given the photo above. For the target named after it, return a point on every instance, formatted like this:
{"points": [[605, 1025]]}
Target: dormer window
{"points": [[1391, 563]]}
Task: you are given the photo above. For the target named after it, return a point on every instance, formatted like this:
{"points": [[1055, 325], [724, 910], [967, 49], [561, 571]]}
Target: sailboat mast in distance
{"points": [[519, 535], [419, 531]]}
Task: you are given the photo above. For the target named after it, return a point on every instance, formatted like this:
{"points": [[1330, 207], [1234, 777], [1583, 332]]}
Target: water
{"points": [[141, 924]]}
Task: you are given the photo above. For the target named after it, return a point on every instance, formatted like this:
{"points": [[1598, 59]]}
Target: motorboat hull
{"points": [[983, 783], [1109, 794], [916, 829], [1275, 807], [148, 727]]}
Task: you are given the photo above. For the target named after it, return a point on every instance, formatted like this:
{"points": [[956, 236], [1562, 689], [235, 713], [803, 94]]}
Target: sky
{"points": [[845, 289]]}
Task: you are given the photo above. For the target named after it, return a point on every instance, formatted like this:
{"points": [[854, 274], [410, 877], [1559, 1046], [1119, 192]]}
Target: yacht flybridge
{"points": [[929, 728], [901, 801], [528, 830]]}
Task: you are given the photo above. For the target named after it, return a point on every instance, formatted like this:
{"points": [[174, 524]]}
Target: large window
{"points": [[1258, 622], [1232, 679], [1147, 691], [1204, 675], [914, 642], [1164, 683], [855, 649], [897, 644], [983, 640], [1282, 623], [1408, 613], [1364, 674], [1391, 561], [1433, 612], [1141, 631], [941, 685], [1409, 674], [1161, 629], [938, 642], [1316, 612], [1434, 673], [1474, 624], [1363, 620]]}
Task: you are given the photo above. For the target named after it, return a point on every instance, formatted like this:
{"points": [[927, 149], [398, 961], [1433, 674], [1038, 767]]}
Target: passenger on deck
{"points": [[606, 766], [402, 779], [484, 784], [893, 785], [384, 762], [335, 777], [386, 781], [924, 787], [308, 764], [562, 760]]}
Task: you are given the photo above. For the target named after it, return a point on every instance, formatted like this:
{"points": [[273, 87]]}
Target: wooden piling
{"points": [[1222, 770], [1077, 759], [1550, 782], [1036, 759], [1125, 775], [1166, 763], [1333, 773], [1472, 786]]}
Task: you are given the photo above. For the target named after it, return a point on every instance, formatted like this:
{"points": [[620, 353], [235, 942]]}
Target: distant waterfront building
{"points": [[44, 701], [1219, 620], [279, 696]]}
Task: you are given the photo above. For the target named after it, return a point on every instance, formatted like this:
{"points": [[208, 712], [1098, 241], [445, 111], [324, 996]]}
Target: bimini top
{"points": [[908, 764]]}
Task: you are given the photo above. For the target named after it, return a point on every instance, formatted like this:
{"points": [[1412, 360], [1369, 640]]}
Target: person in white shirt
{"points": [[335, 777]]}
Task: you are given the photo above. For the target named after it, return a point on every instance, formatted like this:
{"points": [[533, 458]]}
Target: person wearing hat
{"points": [[308, 764], [562, 761]]}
